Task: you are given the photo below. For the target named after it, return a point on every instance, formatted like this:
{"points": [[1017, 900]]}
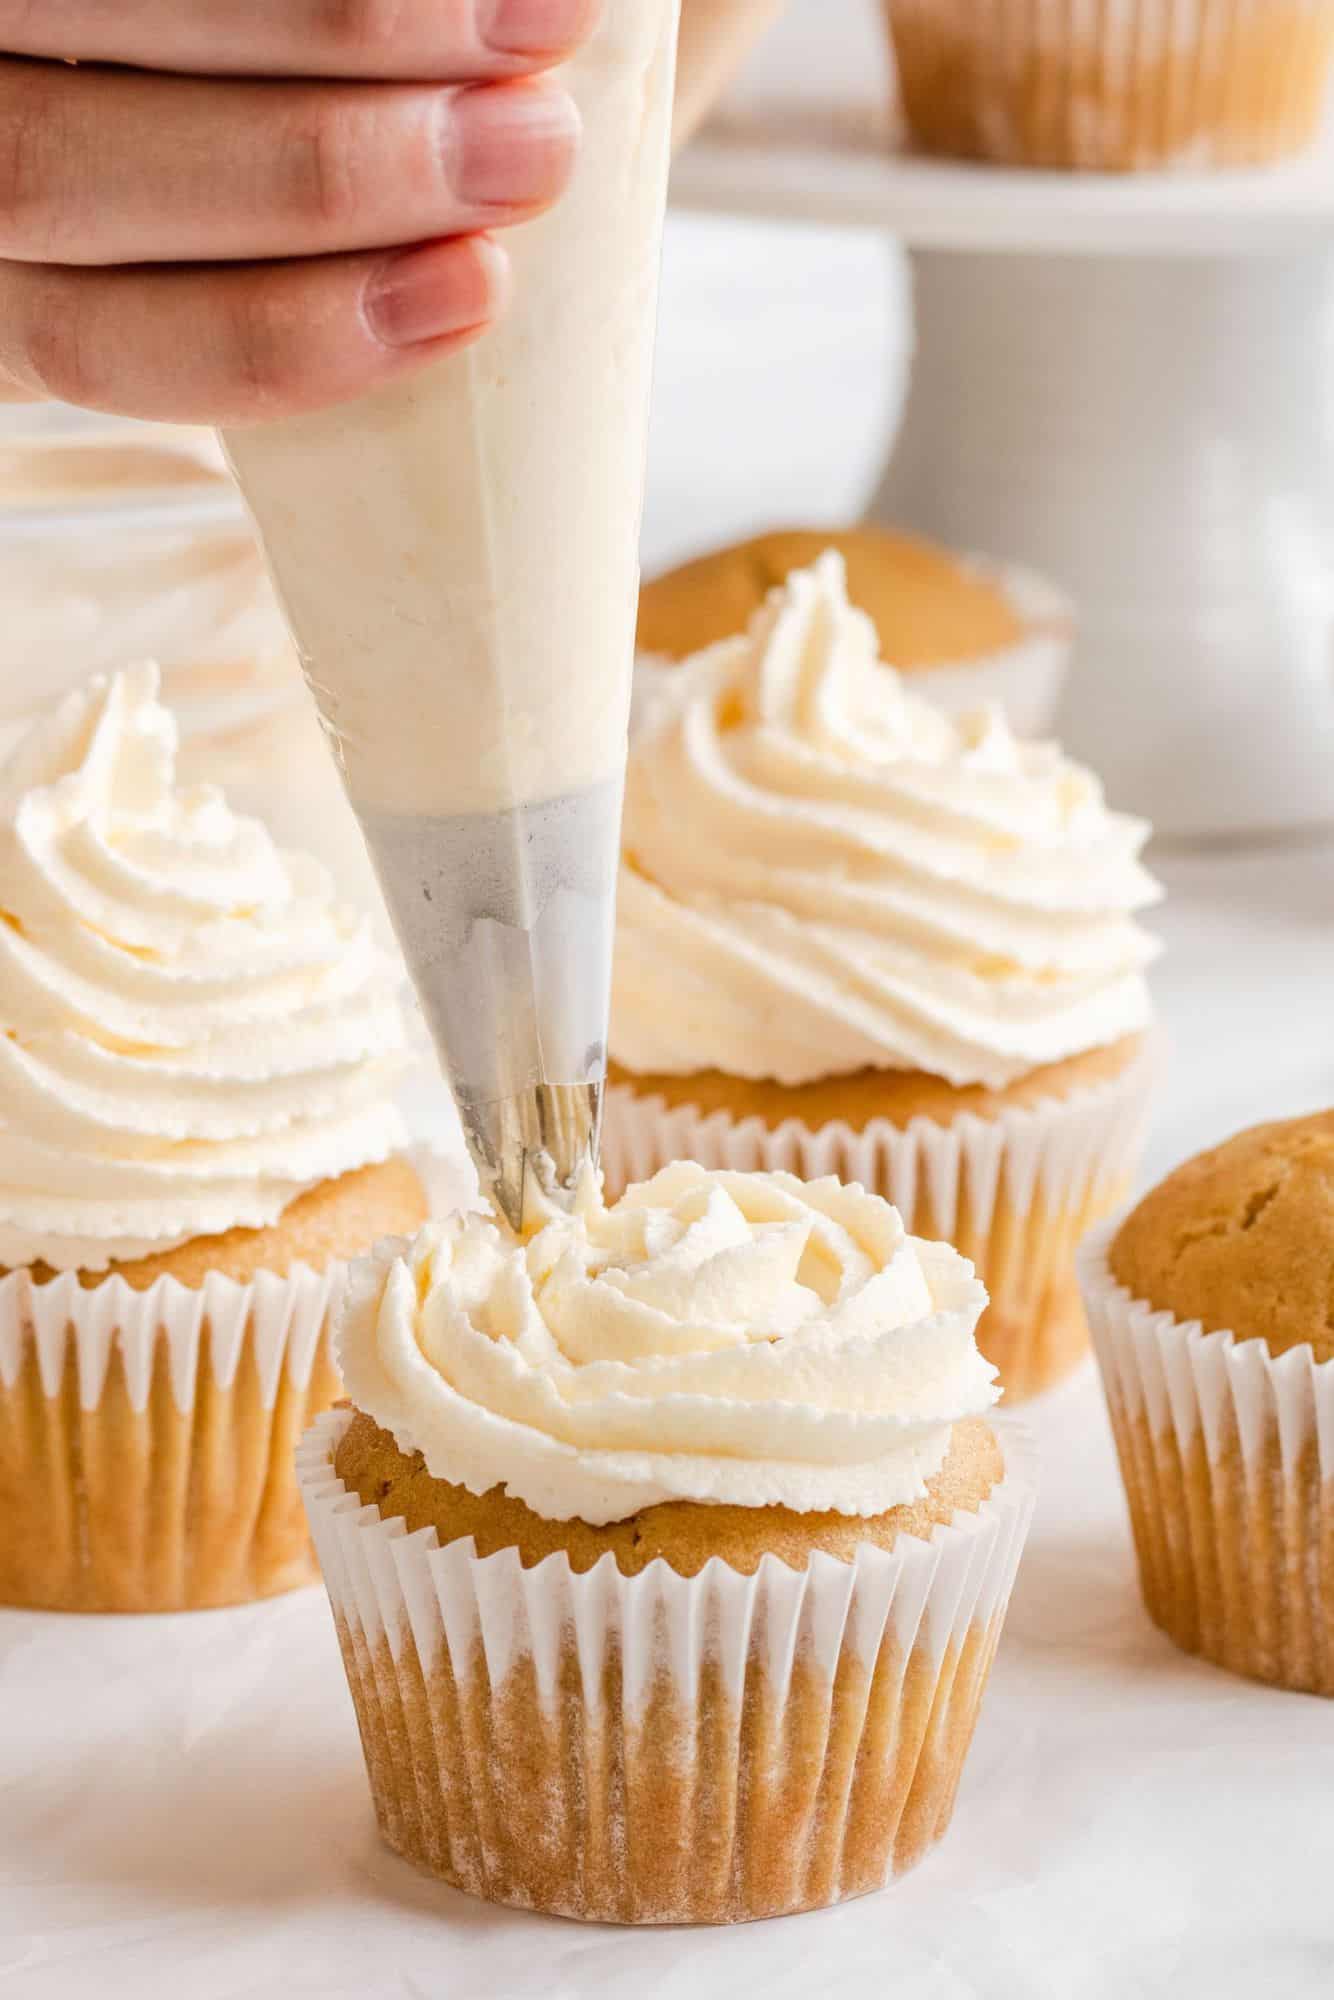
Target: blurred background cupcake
{"points": [[965, 629], [124, 541], [197, 1062], [1213, 1318], [1118, 85], [687, 1509], [859, 936]]}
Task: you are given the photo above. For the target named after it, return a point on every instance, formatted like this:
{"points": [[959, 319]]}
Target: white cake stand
{"points": [[1128, 383]]}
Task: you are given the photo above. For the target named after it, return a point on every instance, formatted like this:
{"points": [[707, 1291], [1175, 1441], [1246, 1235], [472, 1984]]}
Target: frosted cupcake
{"points": [[668, 1549], [1210, 1310], [196, 1062], [859, 936], [965, 630], [1121, 85]]}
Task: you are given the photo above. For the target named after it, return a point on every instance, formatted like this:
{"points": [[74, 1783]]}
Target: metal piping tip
{"points": [[541, 1139]]}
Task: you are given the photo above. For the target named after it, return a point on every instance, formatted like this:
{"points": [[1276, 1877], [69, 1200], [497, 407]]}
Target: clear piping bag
{"points": [[457, 556]]}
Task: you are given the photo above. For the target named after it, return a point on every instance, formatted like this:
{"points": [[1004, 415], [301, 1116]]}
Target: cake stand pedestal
{"points": [[1129, 384]]}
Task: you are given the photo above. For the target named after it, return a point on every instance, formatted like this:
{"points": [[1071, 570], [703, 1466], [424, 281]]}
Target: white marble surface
{"points": [[182, 1802]]}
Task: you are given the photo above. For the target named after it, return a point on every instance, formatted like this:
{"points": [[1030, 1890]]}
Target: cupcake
{"points": [[859, 936], [1210, 1310], [1118, 85], [196, 1131], [668, 1548], [965, 629]]}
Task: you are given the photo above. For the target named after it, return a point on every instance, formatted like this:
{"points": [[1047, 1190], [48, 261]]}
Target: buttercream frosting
{"points": [[746, 1339], [824, 872], [192, 1031]]}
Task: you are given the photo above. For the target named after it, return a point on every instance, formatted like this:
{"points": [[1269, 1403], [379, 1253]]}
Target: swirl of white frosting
{"points": [[191, 1031], [824, 873], [718, 1337]]}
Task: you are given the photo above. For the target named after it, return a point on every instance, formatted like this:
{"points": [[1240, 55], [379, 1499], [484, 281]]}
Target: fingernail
{"points": [[437, 289], [534, 27], [510, 147]]}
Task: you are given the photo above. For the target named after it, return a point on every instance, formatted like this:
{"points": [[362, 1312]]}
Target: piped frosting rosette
{"points": [[730, 1339]]}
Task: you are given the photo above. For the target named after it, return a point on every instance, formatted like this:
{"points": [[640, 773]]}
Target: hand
{"points": [[266, 205]]}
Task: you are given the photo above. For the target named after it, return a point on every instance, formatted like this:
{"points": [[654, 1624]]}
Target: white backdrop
{"points": [[782, 365]]}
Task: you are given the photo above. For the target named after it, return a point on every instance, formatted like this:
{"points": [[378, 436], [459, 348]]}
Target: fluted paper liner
{"points": [[146, 1438], [1227, 1453], [1014, 1193], [657, 1749], [1113, 84]]}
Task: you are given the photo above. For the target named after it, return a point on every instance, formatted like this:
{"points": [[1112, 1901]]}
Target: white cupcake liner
{"points": [[1227, 1453], [146, 1436], [442, 1646], [1112, 84], [1014, 1192], [1056, 1150], [283, 1319]]}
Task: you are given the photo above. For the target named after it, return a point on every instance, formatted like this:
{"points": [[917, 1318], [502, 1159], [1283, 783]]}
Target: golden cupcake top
{"points": [[929, 607], [681, 1533], [1241, 1238]]}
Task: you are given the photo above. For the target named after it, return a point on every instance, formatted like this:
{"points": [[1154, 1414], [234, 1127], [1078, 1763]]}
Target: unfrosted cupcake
{"points": [[196, 1129], [965, 630], [1210, 1310], [859, 936], [668, 1549], [1115, 85]]}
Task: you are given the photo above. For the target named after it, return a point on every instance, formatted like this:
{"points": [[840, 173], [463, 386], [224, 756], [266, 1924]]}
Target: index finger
{"points": [[440, 41]]}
